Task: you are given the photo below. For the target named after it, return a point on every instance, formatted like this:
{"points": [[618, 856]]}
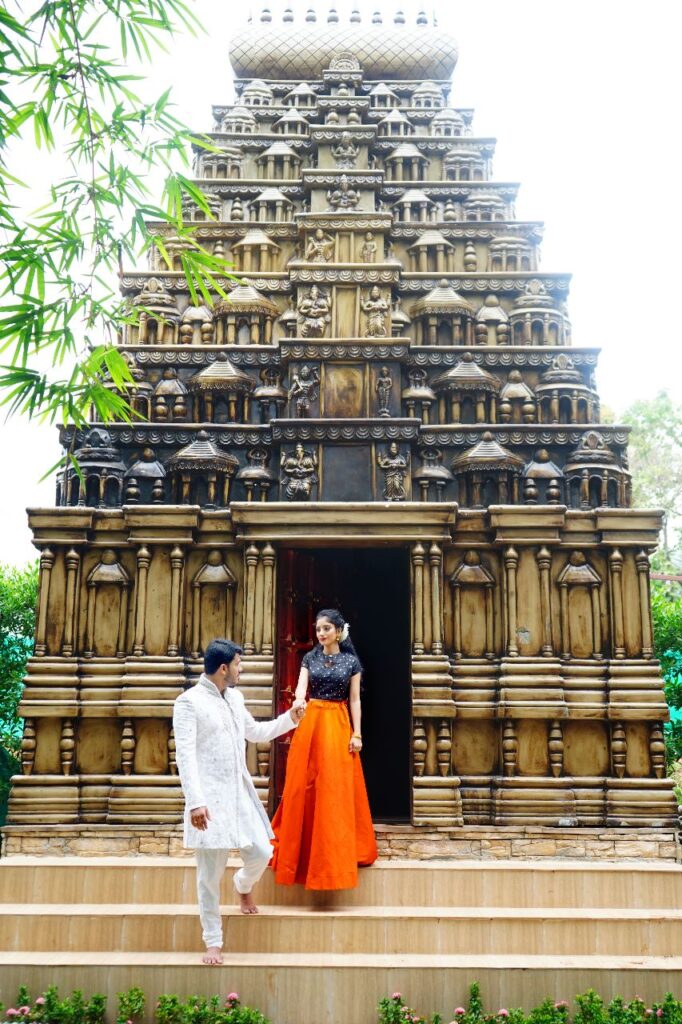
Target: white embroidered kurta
{"points": [[210, 733]]}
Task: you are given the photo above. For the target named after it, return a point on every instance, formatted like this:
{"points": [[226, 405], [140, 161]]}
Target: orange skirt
{"points": [[323, 826]]}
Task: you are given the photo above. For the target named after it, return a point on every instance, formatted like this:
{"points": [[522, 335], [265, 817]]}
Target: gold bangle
{"points": [[357, 736]]}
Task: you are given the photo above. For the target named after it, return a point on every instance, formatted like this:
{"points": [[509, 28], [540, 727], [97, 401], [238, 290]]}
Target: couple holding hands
{"points": [[323, 828]]}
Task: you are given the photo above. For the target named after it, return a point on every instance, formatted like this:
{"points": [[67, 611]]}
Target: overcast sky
{"points": [[583, 97]]}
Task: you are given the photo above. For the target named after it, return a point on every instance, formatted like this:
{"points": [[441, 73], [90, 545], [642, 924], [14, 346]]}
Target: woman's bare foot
{"points": [[213, 956], [247, 904]]}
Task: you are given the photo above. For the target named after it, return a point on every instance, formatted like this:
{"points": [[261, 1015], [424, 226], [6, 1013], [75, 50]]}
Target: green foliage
{"points": [[396, 1011], [18, 596], [656, 463], [130, 1006], [66, 94], [666, 611], [198, 1010], [50, 1009]]}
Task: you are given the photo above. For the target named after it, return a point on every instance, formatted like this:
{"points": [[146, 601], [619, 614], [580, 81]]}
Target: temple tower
{"points": [[386, 414]]}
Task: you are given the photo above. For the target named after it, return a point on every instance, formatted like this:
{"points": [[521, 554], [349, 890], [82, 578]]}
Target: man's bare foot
{"points": [[247, 904], [213, 955]]}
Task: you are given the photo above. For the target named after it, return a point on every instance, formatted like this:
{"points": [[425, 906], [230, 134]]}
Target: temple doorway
{"points": [[371, 586]]}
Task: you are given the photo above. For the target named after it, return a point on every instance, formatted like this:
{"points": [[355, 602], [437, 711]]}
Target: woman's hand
{"points": [[355, 745]]}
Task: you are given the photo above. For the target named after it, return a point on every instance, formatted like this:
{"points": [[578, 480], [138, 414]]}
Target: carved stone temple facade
{"points": [[387, 414]]}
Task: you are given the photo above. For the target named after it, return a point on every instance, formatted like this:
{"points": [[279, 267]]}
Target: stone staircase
{"points": [[523, 929]]}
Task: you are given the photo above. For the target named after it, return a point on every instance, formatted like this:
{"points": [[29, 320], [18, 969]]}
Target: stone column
{"points": [[46, 565], [122, 646], [252, 556], [72, 562], [617, 623], [511, 564], [435, 559], [544, 560], [565, 627], [418, 556], [268, 589], [457, 619], [143, 562], [177, 560], [642, 563], [90, 620]]}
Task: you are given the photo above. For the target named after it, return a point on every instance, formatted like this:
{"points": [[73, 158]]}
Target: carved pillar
{"points": [[657, 749], [127, 747], [511, 564], [619, 749], [444, 747], [457, 619], [122, 645], [565, 629], [596, 621], [436, 559], [510, 748], [72, 562], [90, 620], [28, 746], [489, 622], [46, 565], [263, 760], [143, 562], [268, 583], [544, 560], [556, 749], [252, 556], [642, 563], [258, 609], [418, 556], [419, 745], [172, 763], [196, 618], [67, 746], [617, 623], [177, 560]]}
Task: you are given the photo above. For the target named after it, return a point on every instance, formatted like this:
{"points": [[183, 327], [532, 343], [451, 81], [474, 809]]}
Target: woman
{"points": [[323, 826]]}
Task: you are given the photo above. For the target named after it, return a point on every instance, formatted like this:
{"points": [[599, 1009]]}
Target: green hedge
{"points": [[49, 1008]]}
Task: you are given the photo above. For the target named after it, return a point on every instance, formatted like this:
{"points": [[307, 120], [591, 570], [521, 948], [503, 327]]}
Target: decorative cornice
{"points": [[359, 133], [484, 282], [450, 189], [238, 229], [507, 356], [227, 436], [331, 178], [345, 430], [331, 274], [240, 355], [329, 221], [476, 230], [458, 435], [324, 349]]}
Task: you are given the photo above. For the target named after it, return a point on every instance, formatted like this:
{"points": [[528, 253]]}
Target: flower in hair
{"points": [[344, 632]]}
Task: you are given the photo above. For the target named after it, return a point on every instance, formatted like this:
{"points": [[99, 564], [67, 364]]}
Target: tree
{"points": [[666, 610], [64, 83], [656, 464], [18, 596]]}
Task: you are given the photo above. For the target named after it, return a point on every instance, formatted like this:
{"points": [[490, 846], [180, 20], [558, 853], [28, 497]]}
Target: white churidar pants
{"points": [[210, 868]]}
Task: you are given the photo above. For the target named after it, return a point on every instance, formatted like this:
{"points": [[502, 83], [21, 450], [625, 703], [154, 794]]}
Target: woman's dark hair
{"points": [[337, 619], [219, 652]]}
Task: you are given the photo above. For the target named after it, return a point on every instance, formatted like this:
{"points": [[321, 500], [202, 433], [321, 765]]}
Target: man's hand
{"points": [[298, 709], [200, 817]]}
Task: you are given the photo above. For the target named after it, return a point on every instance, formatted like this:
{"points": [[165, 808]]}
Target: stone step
{"points": [[331, 988], [371, 930], [516, 883]]}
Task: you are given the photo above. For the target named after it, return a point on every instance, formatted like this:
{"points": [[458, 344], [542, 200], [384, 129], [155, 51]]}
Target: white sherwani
{"points": [[211, 730], [210, 733]]}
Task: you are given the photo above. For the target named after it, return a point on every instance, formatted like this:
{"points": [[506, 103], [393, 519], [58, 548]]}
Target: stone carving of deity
{"points": [[320, 247], [395, 465], [314, 309], [383, 388], [375, 307], [304, 389], [346, 152], [368, 252], [299, 469], [343, 197]]}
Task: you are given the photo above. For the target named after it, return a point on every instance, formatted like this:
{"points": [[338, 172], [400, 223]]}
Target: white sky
{"points": [[583, 97]]}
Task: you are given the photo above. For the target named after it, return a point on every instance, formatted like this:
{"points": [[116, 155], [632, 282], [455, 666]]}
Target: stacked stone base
{"points": [[412, 842]]}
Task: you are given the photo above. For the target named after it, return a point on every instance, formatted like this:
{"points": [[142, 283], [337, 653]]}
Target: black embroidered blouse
{"points": [[329, 675]]}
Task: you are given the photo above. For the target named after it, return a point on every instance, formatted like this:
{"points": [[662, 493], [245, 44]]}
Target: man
{"points": [[222, 809]]}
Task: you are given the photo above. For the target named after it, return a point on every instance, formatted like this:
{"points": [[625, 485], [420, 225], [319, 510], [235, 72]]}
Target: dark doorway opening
{"points": [[371, 587]]}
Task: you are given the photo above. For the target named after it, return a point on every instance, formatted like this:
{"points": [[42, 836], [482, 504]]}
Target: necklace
{"points": [[329, 660]]}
